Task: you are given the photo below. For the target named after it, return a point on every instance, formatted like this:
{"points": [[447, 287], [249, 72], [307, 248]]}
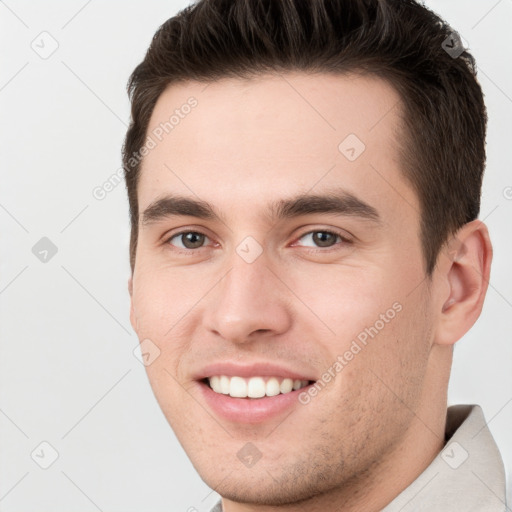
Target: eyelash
{"points": [[344, 241]]}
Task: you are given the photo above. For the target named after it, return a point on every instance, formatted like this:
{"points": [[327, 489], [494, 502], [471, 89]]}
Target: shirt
{"points": [[468, 474]]}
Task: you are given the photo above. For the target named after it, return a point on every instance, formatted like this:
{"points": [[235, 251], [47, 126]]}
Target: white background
{"points": [[68, 375]]}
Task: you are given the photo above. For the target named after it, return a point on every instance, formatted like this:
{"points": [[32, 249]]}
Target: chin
{"points": [[266, 487]]}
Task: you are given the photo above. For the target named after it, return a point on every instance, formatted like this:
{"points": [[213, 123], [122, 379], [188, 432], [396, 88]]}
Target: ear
{"points": [[465, 269], [132, 310]]}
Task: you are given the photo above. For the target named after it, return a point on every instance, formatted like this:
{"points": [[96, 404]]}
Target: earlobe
{"points": [[467, 272]]}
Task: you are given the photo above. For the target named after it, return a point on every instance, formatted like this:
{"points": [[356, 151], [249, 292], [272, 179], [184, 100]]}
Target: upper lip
{"points": [[259, 369]]}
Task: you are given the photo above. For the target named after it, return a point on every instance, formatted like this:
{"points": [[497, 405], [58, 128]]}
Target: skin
{"points": [[374, 428]]}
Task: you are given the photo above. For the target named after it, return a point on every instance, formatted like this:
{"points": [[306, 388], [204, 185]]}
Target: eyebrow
{"points": [[336, 202]]}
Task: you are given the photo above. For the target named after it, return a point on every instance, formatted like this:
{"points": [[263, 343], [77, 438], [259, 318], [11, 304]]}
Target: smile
{"points": [[254, 387]]}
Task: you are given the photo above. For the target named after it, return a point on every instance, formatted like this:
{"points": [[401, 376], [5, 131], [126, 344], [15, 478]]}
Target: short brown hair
{"points": [[401, 41]]}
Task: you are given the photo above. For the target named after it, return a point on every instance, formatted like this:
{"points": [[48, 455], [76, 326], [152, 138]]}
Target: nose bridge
{"points": [[247, 299]]}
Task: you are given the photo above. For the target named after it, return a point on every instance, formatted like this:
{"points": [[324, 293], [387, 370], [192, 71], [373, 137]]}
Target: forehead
{"points": [[274, 135]]}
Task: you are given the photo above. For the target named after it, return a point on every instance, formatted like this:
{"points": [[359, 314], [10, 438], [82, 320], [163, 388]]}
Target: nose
{"points": [[249, 302]]}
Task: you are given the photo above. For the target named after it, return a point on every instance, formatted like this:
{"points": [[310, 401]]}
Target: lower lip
{"points": [[250, 410]]}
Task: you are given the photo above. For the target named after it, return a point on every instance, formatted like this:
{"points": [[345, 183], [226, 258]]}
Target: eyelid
{"points": [[343, 235], [169, 235], [336, 232]]}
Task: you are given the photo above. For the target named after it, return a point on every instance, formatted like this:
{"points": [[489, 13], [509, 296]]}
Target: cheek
{"points": [[374, 328], [161, 297], [391, 365], [161, 308], [345, 299]]}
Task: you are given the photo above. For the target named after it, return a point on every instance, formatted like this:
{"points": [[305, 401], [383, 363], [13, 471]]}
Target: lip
{"points": [[260, 369], [250, 410]]}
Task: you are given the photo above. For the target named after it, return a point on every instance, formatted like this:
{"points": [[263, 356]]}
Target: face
{"points": [[279, 255]]}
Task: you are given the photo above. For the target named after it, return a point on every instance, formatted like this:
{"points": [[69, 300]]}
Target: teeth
{"points": [[273, 387], [224, 385], [238, 387], [255, 387], [286, 386], [215, 384]]}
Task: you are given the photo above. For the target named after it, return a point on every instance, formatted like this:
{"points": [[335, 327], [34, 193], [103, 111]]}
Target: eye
{"points": [[188, 240], [323, 238]]}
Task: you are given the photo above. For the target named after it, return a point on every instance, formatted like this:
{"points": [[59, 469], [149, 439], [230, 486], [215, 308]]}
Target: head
{"points": [[304, 184]]}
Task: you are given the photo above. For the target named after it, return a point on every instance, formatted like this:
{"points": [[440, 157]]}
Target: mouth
{"points": [[255, 393], [256, 387], [252, 400]]}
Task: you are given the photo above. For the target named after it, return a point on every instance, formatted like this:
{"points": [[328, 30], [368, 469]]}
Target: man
{"points": [[304, 183]]}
